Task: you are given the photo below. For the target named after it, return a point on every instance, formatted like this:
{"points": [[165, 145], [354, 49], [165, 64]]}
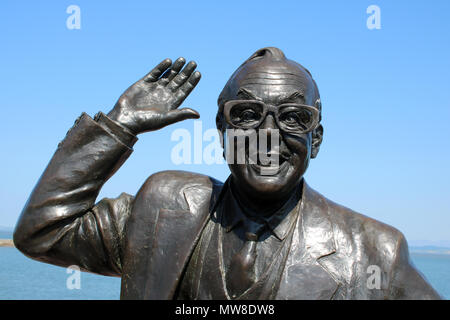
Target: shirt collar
{"points": [[279, 224]]}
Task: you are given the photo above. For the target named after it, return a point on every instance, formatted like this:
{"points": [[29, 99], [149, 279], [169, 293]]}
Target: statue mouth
{"points": [[269, 170], [268, 164]]}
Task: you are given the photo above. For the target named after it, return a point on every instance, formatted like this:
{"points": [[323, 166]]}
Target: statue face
{"points": [[260, 95], [294, 149]]}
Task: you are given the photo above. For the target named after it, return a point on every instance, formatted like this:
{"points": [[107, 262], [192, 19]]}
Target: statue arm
{"points": [[407, 282], [60, 223]]}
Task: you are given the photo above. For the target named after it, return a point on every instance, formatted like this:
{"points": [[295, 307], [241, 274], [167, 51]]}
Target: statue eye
{"points": [[296, 119], [245, 115], [292, 118], [248, 115]]}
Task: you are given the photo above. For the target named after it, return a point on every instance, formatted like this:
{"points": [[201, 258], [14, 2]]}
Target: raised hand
{"points": [[151, 103]]}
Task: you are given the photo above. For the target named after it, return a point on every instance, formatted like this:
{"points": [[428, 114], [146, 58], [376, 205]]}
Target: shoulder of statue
{"points": [[179, 190], [358, 230]]}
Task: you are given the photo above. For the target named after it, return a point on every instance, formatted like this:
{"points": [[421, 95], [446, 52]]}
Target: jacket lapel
{"points": [[156, 256], [317, 228], [307, 275]]}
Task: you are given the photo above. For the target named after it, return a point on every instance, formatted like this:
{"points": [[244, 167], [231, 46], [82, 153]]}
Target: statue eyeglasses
{"points": [[290, 117]]}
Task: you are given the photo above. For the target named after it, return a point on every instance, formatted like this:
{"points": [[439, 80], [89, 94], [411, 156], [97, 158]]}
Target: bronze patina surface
{"points": [[188, 236]]}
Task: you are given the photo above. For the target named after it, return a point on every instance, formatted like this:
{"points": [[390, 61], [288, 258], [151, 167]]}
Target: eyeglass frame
{"points": [[275, 110]]}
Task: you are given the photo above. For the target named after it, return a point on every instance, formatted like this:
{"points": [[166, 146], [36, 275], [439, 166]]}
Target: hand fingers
{"points": [[181, 77], [179, 115], [189, 85], [158, 70], [173, 71]]}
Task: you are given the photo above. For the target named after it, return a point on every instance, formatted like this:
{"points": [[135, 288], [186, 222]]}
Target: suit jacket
{"points": [[147, 240]]}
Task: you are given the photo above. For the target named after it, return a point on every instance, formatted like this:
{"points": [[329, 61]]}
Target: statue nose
{"points": [[269, 123], [272, 134]]}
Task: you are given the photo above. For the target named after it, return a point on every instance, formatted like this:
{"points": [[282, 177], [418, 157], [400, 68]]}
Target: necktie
{"points": [[241, 272]]}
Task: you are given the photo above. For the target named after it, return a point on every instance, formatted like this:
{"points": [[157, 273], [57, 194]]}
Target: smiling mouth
{"points": [[270, 170], [268, 167]]}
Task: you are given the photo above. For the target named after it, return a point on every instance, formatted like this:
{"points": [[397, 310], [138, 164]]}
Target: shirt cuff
{"points": [[117, 130]]}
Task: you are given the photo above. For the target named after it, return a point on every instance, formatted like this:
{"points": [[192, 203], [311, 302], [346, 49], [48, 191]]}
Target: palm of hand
{"points": [[151, 103]]}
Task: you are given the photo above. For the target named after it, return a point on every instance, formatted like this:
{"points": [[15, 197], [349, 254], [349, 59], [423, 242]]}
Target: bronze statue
{"points": [[189, 236]]}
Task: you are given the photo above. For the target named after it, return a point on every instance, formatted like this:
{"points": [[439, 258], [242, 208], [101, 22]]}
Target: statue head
{"points": [[280, 96]]}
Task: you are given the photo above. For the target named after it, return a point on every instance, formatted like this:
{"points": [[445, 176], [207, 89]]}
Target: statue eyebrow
{"points": [[293, 96], [248, 94]]}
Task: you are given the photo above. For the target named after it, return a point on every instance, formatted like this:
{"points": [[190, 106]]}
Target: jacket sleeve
{"points": [[61, 224], [407, 282]]}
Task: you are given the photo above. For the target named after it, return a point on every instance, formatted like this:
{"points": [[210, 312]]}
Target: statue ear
{"points": [[317, 136]]}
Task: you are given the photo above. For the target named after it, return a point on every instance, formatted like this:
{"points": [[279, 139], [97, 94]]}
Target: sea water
{"points": [[23, 278]]}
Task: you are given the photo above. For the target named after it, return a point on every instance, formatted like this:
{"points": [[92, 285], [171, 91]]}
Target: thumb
{"points": [[179, 115]]}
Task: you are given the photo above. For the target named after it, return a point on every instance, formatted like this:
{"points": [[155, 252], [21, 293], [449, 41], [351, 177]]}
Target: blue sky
{"points": [[385, 93]]}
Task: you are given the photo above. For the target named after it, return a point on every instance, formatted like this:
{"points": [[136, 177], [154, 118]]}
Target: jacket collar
{"points": [[316, 224], [279, 224], [315, 220]]}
